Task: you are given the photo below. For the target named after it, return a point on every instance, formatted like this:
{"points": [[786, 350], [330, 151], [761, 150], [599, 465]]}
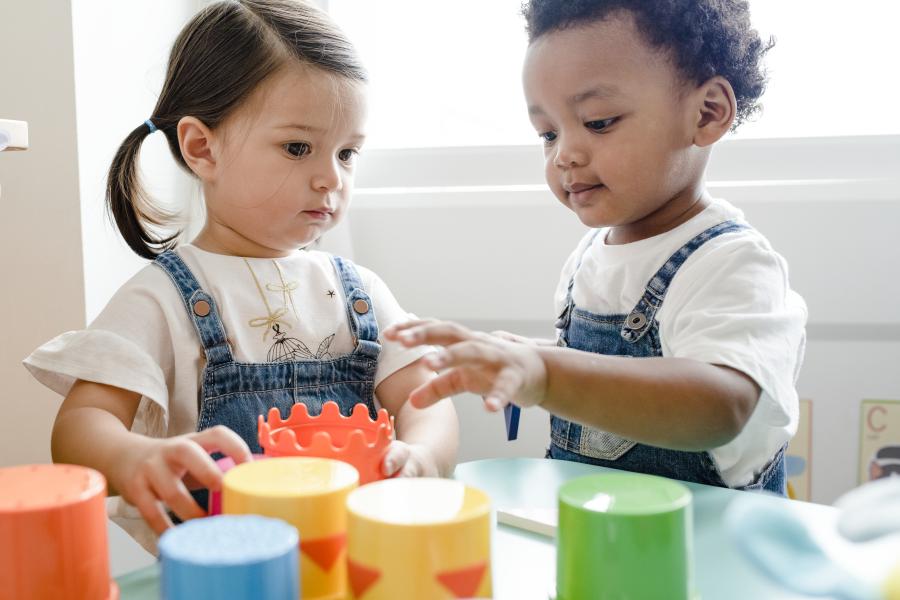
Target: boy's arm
{"points": [[432, 434], [674, 403], [669, 402]]}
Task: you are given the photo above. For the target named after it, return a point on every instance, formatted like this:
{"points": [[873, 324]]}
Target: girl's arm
{"points": [[668, 402], [429, 436], [93, 428]]}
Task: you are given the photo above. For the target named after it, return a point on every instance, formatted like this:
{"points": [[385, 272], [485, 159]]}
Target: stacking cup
{"points": [[240, 557], [311, 495], [419, 538], [53, 534], [624, 536]]}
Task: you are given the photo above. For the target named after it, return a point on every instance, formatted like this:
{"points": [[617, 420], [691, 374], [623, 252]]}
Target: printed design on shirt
{"points": [[273, 317], [330, 293], [287, 349]]}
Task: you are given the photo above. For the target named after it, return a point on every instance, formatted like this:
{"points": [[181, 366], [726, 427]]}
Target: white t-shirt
{"points": [[144, 340], [729, 304]]}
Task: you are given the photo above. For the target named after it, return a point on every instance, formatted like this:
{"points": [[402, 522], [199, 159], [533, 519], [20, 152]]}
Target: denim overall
{"points": [[637, 335], [234, 393]]}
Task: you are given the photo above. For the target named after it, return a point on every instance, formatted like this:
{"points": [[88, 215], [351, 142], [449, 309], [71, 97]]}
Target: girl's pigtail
{"points": [[129, 204]]}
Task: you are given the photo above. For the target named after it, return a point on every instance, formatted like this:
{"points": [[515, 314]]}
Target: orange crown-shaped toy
{"points": [[357, 439]]}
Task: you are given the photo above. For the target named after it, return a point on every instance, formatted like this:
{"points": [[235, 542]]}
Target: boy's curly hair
{"points": [[704, 37]]}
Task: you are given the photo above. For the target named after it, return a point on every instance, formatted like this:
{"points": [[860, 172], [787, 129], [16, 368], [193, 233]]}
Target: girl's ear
{"points": [[197, 144], [716, 110]]}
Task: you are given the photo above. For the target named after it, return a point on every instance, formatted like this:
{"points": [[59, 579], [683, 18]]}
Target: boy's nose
{"points": [[328, 178], [569, 155]]}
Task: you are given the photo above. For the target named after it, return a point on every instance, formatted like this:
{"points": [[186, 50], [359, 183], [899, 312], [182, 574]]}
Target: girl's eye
{"points": [[600, 125], [347, 155], [296, 149], [548, 136]]}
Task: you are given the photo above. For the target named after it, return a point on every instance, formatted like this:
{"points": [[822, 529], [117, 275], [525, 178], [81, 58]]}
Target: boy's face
{"points": [[617, 125]]}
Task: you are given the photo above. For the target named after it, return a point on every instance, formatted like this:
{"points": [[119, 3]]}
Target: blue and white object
{"points": [[13, 135], [240, 557]]}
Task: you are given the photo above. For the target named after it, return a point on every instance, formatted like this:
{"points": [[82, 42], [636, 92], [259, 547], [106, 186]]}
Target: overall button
{"points": [[636, 320], [201, 308], [361, 306]]}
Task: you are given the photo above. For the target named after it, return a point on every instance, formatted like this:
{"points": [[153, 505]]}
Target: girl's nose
{"points": [[327, 178]]}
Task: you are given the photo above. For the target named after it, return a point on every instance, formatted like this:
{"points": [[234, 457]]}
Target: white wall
{"points": [[473, 235], [41, 289]]}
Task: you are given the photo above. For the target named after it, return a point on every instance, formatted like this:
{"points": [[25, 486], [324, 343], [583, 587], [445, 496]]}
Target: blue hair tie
{"points": [[150, 126]]}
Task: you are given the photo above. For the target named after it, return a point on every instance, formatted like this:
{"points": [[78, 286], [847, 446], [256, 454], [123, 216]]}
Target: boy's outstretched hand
{"points": [[501, 370]]}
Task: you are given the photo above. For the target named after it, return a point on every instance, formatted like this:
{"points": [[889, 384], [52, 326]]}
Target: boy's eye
{"points": [[600, 124], [296, 149], [347, 155], [548, 136]]}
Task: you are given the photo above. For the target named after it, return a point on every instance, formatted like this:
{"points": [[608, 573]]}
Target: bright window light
{"points": [[448, 73]]}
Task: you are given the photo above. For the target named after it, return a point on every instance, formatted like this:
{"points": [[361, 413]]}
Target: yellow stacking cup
{"points": [[311, 495], [419, 538]]}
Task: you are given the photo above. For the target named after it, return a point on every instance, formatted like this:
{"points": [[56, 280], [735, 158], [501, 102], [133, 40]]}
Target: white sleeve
{"points": [[128, 346], [394, 356], [734, 307]]}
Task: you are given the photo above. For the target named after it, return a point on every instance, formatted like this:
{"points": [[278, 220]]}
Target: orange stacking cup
{"points": [[53, 541]]}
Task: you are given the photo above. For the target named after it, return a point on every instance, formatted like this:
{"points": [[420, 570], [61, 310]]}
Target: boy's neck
{"points": [[680, 209]]}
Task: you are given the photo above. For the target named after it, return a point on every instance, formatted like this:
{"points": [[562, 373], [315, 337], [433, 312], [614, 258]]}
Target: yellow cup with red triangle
{"points": [[419, 538], [311, 495]]}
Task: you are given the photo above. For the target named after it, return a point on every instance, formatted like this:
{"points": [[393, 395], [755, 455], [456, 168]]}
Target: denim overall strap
{"points": [[562, 322], [205, 317], [639, 320], [360, 309]]}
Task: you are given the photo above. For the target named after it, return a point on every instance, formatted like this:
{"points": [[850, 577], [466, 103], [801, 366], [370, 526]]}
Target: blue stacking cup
{"points": [[241, 557]]}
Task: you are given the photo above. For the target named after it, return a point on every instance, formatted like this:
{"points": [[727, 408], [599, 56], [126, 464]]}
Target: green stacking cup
{"points": [[624, 536]]}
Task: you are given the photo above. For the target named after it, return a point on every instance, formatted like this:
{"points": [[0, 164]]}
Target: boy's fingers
{"points": [[436, 333], [436, 389], [224, 440], [471, 352], [392, 331], [506, 387]]}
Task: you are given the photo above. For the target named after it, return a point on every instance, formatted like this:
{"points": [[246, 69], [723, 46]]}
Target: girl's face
{"points": [[284, 163], [617, 136]]}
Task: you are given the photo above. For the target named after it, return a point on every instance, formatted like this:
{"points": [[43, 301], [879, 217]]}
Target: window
{"points": [[448, 73]]}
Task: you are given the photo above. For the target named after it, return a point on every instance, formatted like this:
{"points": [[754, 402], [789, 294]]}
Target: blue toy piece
{"points": [[511, 415]]}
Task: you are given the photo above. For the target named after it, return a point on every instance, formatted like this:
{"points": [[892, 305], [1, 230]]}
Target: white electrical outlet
{"points": [[13, 135]]}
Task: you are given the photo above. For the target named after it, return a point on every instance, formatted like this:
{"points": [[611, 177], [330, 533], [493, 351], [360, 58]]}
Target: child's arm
{"points": [[427, 438], [668, 402], [92, 428]]}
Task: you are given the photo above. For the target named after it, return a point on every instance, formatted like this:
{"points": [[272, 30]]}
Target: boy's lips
{"points": [[580, 193]]}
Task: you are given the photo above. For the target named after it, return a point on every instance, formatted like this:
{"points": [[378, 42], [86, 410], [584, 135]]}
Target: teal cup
{"points": [[624, 536]]}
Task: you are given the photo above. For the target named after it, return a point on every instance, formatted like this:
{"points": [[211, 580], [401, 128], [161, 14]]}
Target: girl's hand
{"points": [[151, 475], [502, 371], [409, 460]]}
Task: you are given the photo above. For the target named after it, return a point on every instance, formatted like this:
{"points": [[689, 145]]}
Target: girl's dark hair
{"points": [[219, 58], [705, 38]]}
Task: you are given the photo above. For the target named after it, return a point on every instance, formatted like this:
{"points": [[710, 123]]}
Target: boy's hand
{"points": [[502, 371], [152, 475], [409, 460]]}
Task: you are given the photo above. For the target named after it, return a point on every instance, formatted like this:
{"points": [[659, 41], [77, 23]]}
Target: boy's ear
{"points": [[716, 110], [197, 142]]}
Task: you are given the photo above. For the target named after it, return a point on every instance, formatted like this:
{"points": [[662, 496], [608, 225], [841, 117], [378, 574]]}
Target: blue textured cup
{"points": [[240, 557]]}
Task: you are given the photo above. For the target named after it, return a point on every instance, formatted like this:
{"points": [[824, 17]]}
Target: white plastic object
{"points": [[13, 135], [870, 511]]}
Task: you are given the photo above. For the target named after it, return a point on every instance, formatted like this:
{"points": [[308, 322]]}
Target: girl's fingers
{"points": [[224, 440], [175, 495], [151, 510], [468, 353], [396, 458], [191, 457]]}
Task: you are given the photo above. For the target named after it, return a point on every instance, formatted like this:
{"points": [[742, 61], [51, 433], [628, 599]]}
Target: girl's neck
{"points": [[218, 239]]}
